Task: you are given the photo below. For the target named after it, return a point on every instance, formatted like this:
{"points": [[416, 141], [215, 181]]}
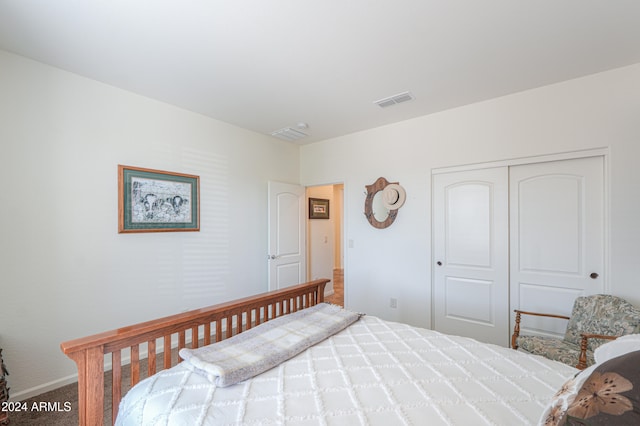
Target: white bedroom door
{"points": [[287, 240], [557, 238], [471, 254]]}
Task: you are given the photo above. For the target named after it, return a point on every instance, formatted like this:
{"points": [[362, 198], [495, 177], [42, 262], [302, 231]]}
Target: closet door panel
{"points": [[458, 293], [550, 220], [468, 224], [557, 237], [471, 254]]}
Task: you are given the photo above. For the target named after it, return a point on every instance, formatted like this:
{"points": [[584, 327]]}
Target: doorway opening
{"points": [[325, 236]]}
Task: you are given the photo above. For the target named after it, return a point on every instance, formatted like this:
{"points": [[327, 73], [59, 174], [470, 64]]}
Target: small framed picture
{"points": [[318, 208], [157, 201]]}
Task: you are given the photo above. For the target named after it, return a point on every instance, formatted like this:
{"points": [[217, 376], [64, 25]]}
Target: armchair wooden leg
{"points": [[516, 331], [582, 360]]}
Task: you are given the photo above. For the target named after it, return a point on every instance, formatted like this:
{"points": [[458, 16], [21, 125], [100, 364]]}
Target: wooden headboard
{"points": [[225, 319]]}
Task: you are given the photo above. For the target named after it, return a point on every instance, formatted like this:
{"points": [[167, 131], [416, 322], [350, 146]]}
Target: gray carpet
{"points": [[69, 393], [64, 394]]}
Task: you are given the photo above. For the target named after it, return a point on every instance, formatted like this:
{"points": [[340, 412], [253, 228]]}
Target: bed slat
{"points": [[207, 334], [151, 360], [167, 351], [116, 381], [194, 337], [182, 340], [135, 364]]}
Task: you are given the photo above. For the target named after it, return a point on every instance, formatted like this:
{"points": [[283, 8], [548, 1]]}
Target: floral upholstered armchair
{"points": [[594, 319]]}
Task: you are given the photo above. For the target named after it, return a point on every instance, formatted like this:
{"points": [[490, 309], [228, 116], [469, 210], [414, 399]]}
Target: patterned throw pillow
{"points": [[604, 394]]}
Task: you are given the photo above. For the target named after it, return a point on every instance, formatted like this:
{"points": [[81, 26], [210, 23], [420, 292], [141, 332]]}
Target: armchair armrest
{"points": [[582, 361], [516, 328]]}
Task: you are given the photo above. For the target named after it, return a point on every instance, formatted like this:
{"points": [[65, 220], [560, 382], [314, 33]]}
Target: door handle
{"points": [[593, 275], [272, 256]]}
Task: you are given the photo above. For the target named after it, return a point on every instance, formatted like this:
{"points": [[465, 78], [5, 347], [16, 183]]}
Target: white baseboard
{"points": [[45, 387]]}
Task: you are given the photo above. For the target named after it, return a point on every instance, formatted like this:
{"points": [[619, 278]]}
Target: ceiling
{"points": [[268, 64]]}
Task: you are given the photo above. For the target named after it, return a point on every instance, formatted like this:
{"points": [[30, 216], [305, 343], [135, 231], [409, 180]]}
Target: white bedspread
{"points": [[372, 373]]}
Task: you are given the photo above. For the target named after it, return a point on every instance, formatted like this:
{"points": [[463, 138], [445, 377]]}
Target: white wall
{"points": [[597, 111], [65, 271]]}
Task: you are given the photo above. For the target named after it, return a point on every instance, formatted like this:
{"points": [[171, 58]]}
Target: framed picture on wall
{"points": [[318, 208], [157, 201]]}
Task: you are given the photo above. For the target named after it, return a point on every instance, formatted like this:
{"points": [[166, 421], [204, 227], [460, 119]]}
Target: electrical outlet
{"points": [[393, 303]]}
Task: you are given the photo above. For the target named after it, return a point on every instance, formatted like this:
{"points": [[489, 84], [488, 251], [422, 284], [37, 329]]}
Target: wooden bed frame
{"points": [[225, 319]]}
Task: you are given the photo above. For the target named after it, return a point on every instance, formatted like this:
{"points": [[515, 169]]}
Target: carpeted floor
{"points": [[61, 399], [33, 416]]}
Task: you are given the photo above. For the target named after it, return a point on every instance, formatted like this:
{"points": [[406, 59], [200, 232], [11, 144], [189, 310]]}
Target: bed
{"points": [[370, 372]]}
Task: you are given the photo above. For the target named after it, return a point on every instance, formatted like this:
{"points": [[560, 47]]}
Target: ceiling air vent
{"points": [[289, 134], [395, 99]]}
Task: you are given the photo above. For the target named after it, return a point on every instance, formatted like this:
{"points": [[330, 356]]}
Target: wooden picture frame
{"points": [[157, 201], [318, 208]]}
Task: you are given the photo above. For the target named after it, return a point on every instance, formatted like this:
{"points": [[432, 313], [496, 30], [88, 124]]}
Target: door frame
{"points": [[570, 155], [343, 225]]}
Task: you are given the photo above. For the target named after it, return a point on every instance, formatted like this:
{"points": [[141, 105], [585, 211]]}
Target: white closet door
{"points": [[557, 238], [471, 288]]}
